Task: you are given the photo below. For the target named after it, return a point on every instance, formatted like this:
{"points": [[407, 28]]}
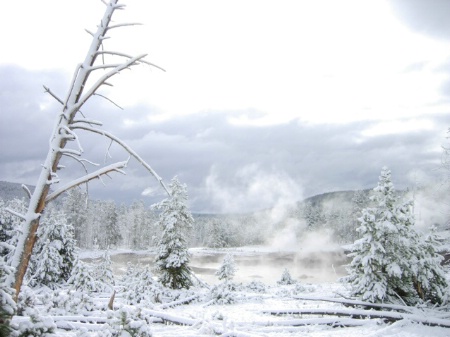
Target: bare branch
{"points": [[129, 56], [133, 61], [127, 148], [47, 90], [17, 214], [110, 100], [108, 154], [74, 137], [27, 190], [81, 161], [69, 151], [89, 32], [72, 84], [87, 121], [116, 167], [124, 25]]}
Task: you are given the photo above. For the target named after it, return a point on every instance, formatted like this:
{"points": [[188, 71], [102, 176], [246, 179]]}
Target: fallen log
{"points": [[390, 316], [355, 303]]}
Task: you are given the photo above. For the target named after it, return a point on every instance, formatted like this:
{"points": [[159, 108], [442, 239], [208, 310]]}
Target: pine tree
{"points": [[55, 253], [286, 278], [10, 226], [391, 260], [175, 220], [104, 273], [75, 206], [7, 304], [227, 269]]}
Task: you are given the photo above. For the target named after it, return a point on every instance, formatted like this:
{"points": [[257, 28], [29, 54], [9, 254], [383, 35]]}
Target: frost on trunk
{"points": [[64, 132]]}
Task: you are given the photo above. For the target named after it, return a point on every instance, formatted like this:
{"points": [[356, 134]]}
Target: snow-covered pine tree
{"points": [[75, 206], [286, 278], [175, 221], [227, 269], [104, 272], [7, 304], [9, 226], [430, 281], [55, 252], [111, 226], [385, 265], [82, 278]]}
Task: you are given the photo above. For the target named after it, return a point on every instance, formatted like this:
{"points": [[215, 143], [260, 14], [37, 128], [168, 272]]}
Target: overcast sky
{"points": [[261, 102]]}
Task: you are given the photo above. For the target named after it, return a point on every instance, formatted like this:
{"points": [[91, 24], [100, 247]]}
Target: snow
{"points": [[196, 315]]}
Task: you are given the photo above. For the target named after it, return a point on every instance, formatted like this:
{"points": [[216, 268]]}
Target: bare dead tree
{"points": [[64, 132]]}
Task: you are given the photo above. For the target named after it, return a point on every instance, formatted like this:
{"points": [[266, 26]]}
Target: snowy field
{"points": [[256, 297]]}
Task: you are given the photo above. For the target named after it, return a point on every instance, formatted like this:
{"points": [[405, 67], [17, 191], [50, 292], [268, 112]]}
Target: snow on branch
{"points": [[17, 214], [131, 62], [116, 167], [87, 121], [124, 25], [47, 90], [27, 190], [127, 148], [390, 316], [353, 303], [105, 52]]}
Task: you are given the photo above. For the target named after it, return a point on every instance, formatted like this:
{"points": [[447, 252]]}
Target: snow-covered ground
{"points": [[254, 298]]}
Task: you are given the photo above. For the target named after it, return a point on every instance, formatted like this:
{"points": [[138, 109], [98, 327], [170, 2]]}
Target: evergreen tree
{"points": [[7, 304], [227, 269], [175, 220], [286, 278], [10, 225], [391, 260], [75, 206], [54, 253], [111, 225], [104, 271], [82, 278]]}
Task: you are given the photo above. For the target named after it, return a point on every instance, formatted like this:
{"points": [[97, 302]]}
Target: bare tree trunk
{"points": [[62, 133]]}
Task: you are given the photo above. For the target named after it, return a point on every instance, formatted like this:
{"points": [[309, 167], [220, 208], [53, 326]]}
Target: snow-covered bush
{"points": [[64, 301], [257, 287], [175, 220], [227, 269], [391, 260], [126, 322], [286, 278], [140, 286], [36, 326], [223, 293]]}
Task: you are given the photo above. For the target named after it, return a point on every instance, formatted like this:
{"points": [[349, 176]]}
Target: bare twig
{"points": [[127, 148], [27, 190], [116, 167]]}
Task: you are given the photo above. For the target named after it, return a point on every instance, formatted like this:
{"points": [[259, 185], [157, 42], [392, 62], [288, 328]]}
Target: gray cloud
{"points": [[226, 167], [429, 17]]}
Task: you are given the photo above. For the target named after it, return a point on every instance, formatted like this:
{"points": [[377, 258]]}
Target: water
{"points": [[253, 265]]}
